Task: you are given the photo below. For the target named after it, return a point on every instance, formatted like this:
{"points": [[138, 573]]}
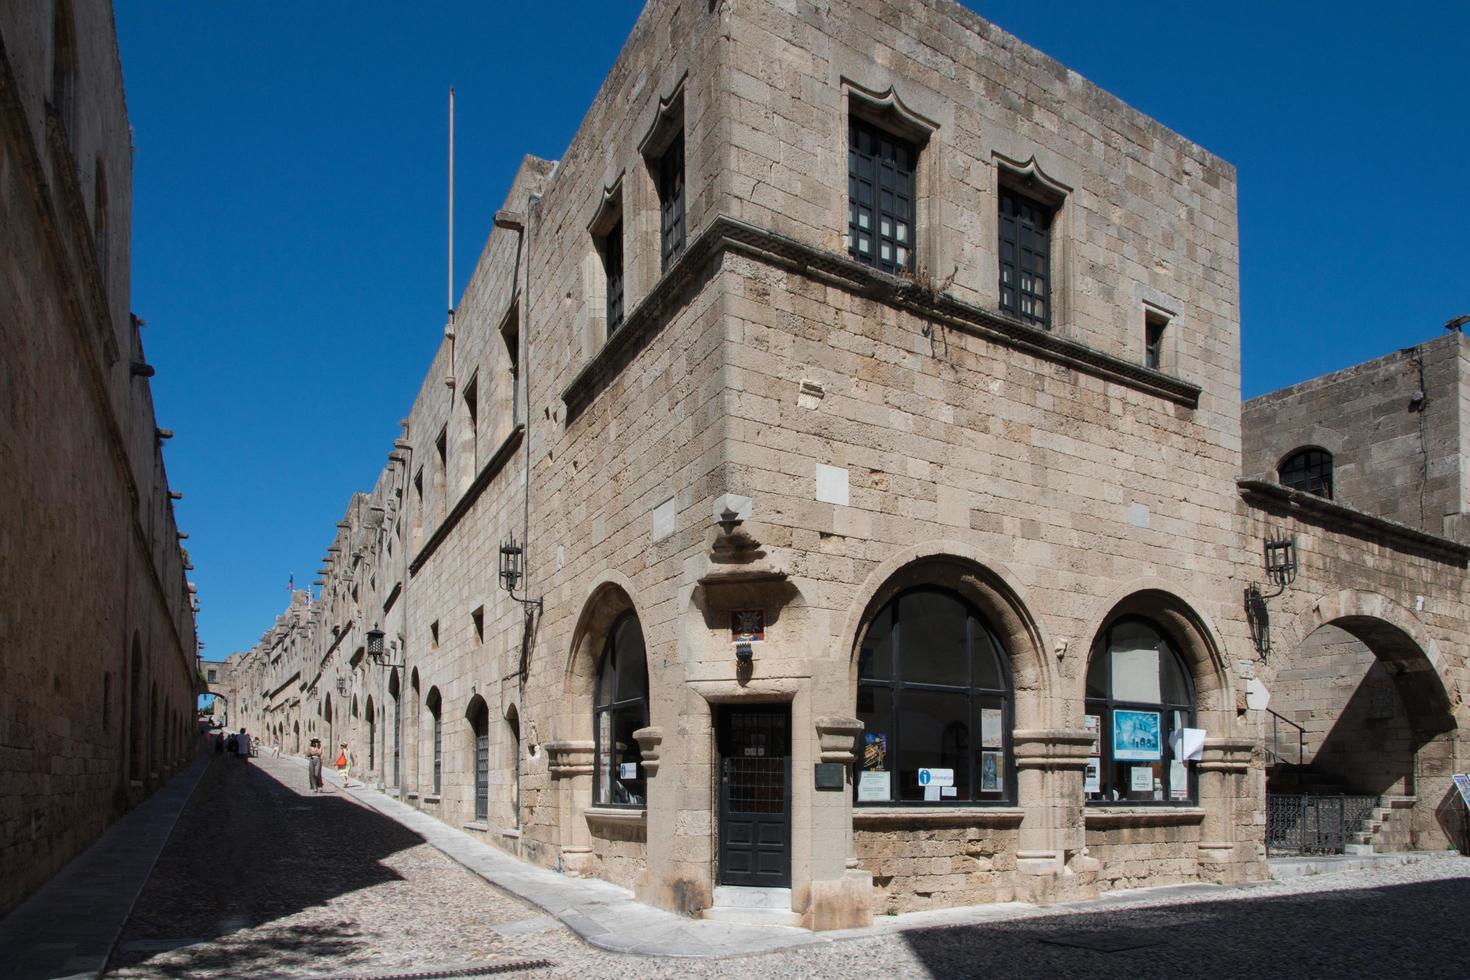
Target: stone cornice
{"points": [[1312, 509], [1052, 748], [462, 506], [645, 320]]}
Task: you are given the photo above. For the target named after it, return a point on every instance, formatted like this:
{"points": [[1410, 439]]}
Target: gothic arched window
{"points": [[620, 708], [1140, 699], [934, 696]]}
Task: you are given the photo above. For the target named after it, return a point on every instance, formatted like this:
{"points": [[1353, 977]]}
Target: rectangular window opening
{"points": [[1025, 256], [881, 195], [472, 418], [478, 618], [671, 202], [612, 265], [1153, 339], [434, 634], [510, 335]]}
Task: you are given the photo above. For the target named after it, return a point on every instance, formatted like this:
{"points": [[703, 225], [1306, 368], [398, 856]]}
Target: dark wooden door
{"points": [[755, 792]]}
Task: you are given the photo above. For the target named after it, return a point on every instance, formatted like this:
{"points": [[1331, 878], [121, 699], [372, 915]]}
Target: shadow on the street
{"points": [[1414, 930], [248, 851]]}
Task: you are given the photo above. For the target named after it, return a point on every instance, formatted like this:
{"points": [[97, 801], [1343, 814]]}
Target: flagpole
{"points": [[449, 291]]}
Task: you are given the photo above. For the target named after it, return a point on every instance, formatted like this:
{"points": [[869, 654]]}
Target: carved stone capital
{"points": [[1052, 748], [648, 740], [570, 757], [837, 738], [1227, 755]]}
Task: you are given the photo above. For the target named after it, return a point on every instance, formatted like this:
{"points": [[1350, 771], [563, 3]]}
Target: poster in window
{"points": [[1094, 728], [1092, 779], [873, 787], [992, 775], [875, 750], [1142, 779], [1137, 736], [990, 726], [1178, 780]]}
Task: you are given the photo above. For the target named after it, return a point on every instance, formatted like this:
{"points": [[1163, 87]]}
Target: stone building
{"points": [[97, 705], [856, 408], [1376, 450]]}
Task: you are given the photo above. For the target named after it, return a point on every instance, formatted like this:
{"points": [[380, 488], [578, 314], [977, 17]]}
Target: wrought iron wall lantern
{"points": [[513, 570], [343, 685], [1279, 553]]}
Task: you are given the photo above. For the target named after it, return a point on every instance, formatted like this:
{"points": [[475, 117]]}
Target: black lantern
{"points": [[342, 685], [1281, 561], [375, 644], [511, 563]]}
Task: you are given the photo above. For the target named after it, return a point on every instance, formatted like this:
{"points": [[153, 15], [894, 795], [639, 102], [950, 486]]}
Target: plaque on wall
{"points": [[830, 775]]}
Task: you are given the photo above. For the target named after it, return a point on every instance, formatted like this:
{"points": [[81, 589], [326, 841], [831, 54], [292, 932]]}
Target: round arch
{"points": [[1197, 639], [987, 585], [1398, 638], [609, 597]]}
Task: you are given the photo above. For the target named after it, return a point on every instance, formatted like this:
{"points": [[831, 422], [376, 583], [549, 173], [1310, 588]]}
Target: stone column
{"points": [[570, 762], [1223, 768], [1051, 861], [841, 891]]}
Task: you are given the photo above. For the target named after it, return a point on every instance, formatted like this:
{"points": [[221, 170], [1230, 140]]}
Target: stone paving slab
{"points": [[68, 927]]}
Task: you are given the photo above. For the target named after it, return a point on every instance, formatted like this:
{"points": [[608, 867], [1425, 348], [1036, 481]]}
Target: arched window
{"points": [[513, 721], [1139, 701], [934, 697], [64, 66], [372, 722], [1307, 469], [479, 719], [620, 708], [433, 704]]}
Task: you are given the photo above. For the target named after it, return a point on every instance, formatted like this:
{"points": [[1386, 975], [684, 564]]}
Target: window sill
{"points": [[413, 796], [1143, 815], [607, 816], [479, 825], [431, 798], [880, 818], [511, 833]]}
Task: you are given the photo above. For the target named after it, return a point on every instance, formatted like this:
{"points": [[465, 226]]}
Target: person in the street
{"points": [[344, 763], [219, 743], [242, 745], [314, 765]]}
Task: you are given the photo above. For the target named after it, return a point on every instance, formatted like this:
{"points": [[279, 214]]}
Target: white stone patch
{"points": [[1138, 514], [561, 556], [1256, 695], [831, 484], [663, 519], [742, 506]]}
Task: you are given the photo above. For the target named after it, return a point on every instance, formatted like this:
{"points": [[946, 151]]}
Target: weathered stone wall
{"points": [[1147, 849], [97, 707], [1392, 457], [919, 867]]}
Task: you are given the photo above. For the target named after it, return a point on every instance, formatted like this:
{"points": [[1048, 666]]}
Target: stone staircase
{"points": [[753, 907], [1387, 830]]}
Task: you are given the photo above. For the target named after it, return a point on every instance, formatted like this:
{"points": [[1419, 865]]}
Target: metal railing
{"points": [[1314, 824], [1290, 750]]}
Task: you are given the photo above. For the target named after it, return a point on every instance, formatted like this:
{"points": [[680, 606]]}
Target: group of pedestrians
{"points": [[241, 745], [343, 762]]}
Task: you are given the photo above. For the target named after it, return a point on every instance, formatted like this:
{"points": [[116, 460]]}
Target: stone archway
{"points": [[1376, 705]]}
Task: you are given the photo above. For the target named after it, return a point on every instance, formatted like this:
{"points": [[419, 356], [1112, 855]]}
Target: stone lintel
{"points": [[1052, 749]]}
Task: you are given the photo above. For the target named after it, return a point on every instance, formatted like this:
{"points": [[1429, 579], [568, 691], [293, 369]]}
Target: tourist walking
{"points": [[314, 765], [242, 745], [344, 763]]}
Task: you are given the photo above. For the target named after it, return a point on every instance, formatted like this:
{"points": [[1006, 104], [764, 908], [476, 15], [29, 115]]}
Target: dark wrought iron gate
{"points": [[755, 790], [1301, 824]]}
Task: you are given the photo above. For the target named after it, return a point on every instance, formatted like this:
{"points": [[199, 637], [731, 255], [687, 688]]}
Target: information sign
{"points": [[936, 777]]}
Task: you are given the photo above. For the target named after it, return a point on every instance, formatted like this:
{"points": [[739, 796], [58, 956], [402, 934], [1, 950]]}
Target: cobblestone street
{"points": [[263, 878]]}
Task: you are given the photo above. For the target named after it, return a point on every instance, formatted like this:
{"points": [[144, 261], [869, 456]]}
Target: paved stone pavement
{"points": [[262, 878], [67, 927]]}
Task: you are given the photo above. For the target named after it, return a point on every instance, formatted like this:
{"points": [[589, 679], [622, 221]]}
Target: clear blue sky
{"points": [[288, 210]]}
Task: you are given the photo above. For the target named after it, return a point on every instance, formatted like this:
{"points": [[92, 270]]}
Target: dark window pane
{"points": [[988, 673], [875, 659], [932, 643], [1309, 470], [1097, 675], [935, 731], [632, 662]]}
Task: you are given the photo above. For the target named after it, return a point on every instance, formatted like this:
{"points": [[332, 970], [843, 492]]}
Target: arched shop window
{"points": [[1140, 701], [934, 697], [620, 708]]}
